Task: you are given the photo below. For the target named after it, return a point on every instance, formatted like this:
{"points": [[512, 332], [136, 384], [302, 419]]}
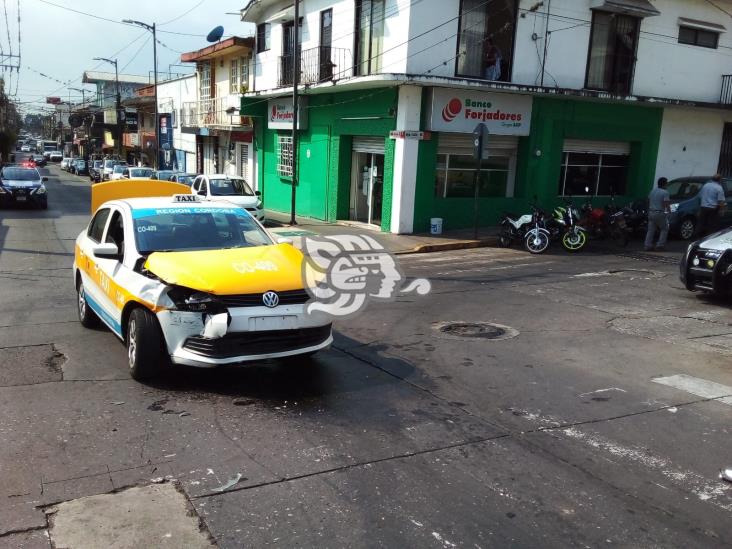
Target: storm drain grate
{"points": [[474, 330]]}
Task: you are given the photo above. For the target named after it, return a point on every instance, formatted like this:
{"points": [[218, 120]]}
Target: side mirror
{"points": [[284, 240], [44, 179], [258, 193], [106, 250]]}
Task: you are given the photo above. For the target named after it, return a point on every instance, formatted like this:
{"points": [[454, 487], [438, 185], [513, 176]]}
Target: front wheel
{"points": [[574, 240], [144, 344], [536, 241]]}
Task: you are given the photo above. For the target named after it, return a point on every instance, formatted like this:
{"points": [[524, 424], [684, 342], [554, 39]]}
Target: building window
{"points": [[205, 84], [263, 40], [369, 37], [455, 176], [244, 75], [485, 39], [698, 37], [593, 174], [284, 155], [234, 76], [613, 43]]}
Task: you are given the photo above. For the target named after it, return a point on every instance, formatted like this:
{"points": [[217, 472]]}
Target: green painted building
{"points": [[396, 156]]}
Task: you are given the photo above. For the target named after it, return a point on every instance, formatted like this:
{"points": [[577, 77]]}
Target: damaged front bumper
{"points": [[242, 334]]}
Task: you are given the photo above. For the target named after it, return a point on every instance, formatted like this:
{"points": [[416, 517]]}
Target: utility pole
{"points": [[151, 28], [295, 109], [117, 104]]}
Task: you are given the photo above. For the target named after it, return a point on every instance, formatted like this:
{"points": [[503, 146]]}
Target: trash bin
{"points": [[436, 225]]}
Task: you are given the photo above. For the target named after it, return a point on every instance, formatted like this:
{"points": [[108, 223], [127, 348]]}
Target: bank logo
{"points": [[452, 109], [343, 273]]}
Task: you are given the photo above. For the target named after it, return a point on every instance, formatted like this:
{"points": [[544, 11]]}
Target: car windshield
{"points": [[140, 172], [97, 163], [682, 189], [186, 179], [164, 175], [230, 187], [109, 163], [199, 228], [119, 168], [19, 174]]}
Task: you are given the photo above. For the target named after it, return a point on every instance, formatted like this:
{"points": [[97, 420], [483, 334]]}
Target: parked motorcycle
{"points": [[565, 226], [608, 222], [513, 228], [538, 236]]}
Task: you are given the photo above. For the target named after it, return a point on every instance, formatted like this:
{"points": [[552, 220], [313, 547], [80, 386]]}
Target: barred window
{"points": [[284, 155], [234, 76], [205, 81]]}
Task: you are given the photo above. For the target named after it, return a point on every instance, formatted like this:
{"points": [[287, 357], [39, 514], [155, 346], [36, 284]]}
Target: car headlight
{"points": [[186, 299], [674, 208], [40, 190]]}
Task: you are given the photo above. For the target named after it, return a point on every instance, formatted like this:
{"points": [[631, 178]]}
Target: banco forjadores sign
{"points": [[460, 111]]}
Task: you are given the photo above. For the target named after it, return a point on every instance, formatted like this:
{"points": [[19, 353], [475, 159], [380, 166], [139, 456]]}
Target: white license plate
{"points": [[21, 198], [284, 322]]}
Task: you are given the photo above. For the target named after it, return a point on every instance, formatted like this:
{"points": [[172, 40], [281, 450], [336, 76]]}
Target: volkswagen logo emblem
{"points": [[270, 299]]}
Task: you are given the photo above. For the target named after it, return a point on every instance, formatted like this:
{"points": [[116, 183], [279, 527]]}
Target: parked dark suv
{"points": [[685, 204]]}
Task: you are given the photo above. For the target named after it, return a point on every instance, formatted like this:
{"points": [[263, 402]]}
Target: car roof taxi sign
{"points": [[186, 198]]}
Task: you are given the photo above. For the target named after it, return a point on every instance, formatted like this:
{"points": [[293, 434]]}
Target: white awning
{"points": [[282, 16], [636, 8], [703, 25]]}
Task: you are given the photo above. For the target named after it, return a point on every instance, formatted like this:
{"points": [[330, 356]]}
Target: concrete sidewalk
{"points": [[279, 224]]}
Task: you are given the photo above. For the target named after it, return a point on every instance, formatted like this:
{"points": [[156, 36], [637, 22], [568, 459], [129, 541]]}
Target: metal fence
{"points": [[319, 64], [726, 96]]}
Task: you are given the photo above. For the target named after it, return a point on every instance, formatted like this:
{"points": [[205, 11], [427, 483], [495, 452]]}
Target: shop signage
{"points": [[53, 100], [130, 121], [110, 116], [459, 111], [280, 114], [410, 134]]}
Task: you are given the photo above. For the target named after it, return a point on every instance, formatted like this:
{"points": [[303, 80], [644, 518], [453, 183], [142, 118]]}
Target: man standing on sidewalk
{"points": [[659, 203], [713, 205]]}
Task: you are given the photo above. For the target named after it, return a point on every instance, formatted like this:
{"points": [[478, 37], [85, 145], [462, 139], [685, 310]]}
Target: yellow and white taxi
{"points": [[198, 283]]}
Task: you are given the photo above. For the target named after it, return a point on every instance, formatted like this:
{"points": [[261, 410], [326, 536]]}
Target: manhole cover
{"points": [[474, 330]]}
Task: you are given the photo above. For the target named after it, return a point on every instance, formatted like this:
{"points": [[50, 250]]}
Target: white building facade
{"points": [[612, 94], [172, 95], [223, 138]]}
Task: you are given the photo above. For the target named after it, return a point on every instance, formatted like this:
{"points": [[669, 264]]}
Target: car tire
{"points": [[687, 228], [44, 205], [87, 317], [144, 341]]}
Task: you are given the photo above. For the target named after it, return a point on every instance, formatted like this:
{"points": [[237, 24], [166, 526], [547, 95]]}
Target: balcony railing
{"points": [[726, 96], [316, 65], [215, 112]]}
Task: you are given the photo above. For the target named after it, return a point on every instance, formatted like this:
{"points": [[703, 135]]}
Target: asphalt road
{"points": [[603, 421]]}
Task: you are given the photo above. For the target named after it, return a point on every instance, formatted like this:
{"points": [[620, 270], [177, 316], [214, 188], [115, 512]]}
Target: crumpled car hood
{"points": [[231, 271]]}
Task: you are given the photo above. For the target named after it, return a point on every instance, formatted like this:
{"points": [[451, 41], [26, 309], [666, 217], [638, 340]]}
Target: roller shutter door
{"points": [[368, 144], [596, 147], [462, 143]]}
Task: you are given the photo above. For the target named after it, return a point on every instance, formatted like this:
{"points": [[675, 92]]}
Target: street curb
{"points": [[459, 245]]}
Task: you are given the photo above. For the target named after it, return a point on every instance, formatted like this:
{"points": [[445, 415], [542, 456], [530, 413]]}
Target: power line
{"points": [[136, 54], [182, 14]]}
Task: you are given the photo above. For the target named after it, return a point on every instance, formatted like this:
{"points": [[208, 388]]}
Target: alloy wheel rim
{"points": [[132, 342], [82, 302], [687, 229]]}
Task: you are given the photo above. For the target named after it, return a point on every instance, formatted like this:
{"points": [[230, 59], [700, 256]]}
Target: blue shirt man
{"points": [[713, 203]]}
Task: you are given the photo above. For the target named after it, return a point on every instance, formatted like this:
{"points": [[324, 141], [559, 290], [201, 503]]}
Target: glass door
{"points": [[367, 188]]}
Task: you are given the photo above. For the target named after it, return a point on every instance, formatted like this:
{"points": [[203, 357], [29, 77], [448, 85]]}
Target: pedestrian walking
{"points": [[713, 204], [659, 203]]}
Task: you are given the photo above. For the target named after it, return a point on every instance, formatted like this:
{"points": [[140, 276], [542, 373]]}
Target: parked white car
{"points": [[65, 163], [130, 172], [56, 156], [227, 188], [117, 172]]}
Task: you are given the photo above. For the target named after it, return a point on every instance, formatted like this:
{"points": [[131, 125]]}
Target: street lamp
{"points": [[151, 28], [83, 92], [118, 102]]}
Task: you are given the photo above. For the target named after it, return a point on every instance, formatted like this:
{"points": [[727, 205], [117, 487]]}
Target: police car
{"points": [[707, 264], [198, 283]]}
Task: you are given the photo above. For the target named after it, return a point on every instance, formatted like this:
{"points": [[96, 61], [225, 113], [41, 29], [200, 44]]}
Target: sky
{"points": [[61, 44]]}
